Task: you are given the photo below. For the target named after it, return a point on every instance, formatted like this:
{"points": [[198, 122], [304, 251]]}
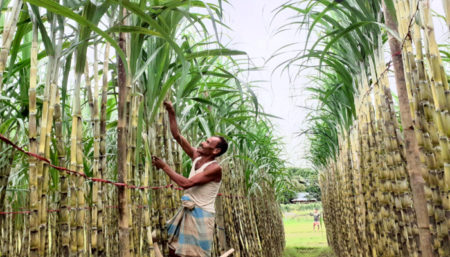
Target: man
{"points": [[191, 230]]}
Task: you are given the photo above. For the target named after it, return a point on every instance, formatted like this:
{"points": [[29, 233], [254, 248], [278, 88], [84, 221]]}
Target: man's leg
{"points": [[172, 253], [155, 245]]}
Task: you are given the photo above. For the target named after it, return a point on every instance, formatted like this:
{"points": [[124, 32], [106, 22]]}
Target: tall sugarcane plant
{"points": [[367, 152], [83, 83]]}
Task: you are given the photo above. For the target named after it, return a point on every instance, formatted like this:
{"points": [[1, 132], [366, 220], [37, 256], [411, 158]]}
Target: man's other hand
{"points": [[169, 107], [158, 163]]}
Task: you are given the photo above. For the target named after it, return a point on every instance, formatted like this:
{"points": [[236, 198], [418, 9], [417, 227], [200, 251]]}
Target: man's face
{"points": [[208, 147]]}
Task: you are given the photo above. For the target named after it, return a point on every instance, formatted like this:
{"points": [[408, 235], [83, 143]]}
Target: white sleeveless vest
{"points": [[204, 196]]}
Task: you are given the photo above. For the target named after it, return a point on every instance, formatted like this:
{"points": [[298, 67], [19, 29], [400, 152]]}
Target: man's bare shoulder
{"points": [[216, 166], [214, 169]]}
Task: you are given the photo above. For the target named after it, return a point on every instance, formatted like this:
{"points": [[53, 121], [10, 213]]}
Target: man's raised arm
{"points": [[191, 151], [211, 173]]}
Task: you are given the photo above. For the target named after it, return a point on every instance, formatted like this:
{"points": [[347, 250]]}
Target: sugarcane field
{"points": [[225, 128]]}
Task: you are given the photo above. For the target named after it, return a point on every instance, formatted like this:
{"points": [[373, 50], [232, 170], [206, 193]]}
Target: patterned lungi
{"points": [[191, 230]]}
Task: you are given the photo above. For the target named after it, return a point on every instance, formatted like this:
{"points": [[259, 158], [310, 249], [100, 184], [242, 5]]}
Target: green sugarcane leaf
{"points": [[44, 35], [68, 13], [135, 29], [203, 101], [64, 82], [21, 30], [205, 126], [139, 132], [340, 34], [391, 8], [214, 52], [162, 94], [141, 14], [5, 125], [141, 70]]}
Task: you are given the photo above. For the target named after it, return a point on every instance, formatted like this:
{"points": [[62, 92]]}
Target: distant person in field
{"points": [[316, 222], [191, 230]]}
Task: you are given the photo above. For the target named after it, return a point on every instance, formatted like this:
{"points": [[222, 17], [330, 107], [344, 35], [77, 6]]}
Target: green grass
{"points": [[307, 252], [301, 240]]}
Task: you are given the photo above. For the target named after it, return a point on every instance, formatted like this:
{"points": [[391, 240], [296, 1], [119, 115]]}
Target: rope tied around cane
{"points": [[82, 174]]}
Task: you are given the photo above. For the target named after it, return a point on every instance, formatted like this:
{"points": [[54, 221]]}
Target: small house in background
{"points": [[303, 197]]}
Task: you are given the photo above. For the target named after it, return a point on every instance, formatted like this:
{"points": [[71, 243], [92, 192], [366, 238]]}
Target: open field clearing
{"points": [[301, 240]]}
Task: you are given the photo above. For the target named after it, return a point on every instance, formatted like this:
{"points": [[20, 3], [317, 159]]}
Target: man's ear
{"points": [[216, 151]]}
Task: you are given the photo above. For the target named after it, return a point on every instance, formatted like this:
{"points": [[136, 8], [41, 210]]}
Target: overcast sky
{"points": [[254, 31]]}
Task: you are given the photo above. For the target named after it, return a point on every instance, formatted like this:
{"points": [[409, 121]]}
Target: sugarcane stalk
{"points": [[45, 170], [63, 214], [76, 112], [164, 180], [91, 237], [148, 245], [102, 155], [415, 168], [5, 170], [124, 233], [8, 36], [33, 183], [131, 168], [388, 126], [81, 203], [44, 150], [95, 169], [160, 180]]}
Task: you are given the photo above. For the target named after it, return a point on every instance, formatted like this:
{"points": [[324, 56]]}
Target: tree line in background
{"points": [[81, 84], [301, 180]]}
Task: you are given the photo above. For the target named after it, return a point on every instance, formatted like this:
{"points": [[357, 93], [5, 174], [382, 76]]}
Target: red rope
{"points": [[399, 53], [99, 180], [73, 172]]}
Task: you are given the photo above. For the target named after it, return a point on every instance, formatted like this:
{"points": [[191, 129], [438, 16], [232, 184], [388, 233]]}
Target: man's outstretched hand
{"points": [[158, 163], [169, 106]]}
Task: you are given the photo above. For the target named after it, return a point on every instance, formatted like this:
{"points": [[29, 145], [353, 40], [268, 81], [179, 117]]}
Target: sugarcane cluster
{"points": [[369, 183], [82, 85], [371, 203], [244, 219]]}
